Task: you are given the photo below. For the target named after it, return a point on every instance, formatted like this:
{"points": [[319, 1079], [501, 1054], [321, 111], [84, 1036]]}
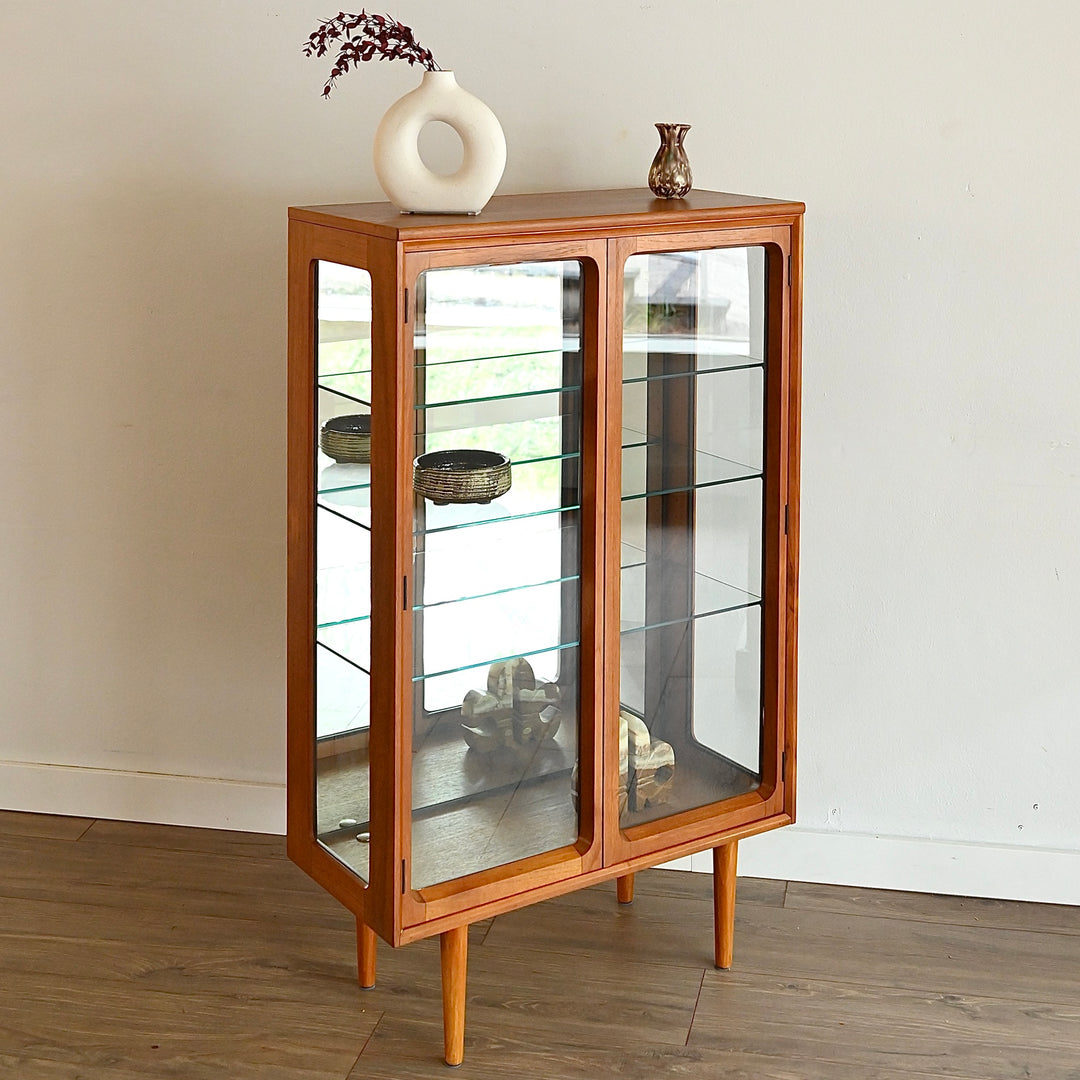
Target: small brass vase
{"points": [[670, 176]]}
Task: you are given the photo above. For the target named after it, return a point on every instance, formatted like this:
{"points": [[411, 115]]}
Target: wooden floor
{"points": [[130, 952]]}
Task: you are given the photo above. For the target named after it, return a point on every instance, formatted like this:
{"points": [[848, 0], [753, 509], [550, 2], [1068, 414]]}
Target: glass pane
{"points": [[342, 403], [692, 502], [496, 585]]}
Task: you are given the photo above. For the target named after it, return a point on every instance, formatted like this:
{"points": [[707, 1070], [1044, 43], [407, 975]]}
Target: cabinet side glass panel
{"points": [[496, 587], [342, 402], [690, 729]]}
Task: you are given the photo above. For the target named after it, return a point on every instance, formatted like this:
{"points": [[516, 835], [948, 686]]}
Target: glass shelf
{"points": [[326, 629], [709, 470], [517, 554], [711, 597], [349, 621], [456, 402], [348, 387], [361, 651], [504, 592], [523, 438], [338, 477], [342, 689], [520, 559], [708, 357], [458, 354], [471, 516], [351, 501], [343, 595], [343, 589], [525, 442], [349, 511], [544, 672], [632, 439], [366, 371], [478, 330]]}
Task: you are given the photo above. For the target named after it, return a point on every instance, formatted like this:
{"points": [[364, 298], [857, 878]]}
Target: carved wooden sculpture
{"points": [[513, 712]]}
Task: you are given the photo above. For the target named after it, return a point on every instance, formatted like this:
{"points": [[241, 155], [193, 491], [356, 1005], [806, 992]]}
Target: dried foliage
{"points": [[364, 37]]}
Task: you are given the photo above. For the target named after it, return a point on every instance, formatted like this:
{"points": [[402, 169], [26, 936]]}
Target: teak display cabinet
{"points": [[503, 693]]}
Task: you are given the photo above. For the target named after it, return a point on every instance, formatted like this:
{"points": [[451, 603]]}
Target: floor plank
{"points": [[653, 929], [116, 874], [873, 1027], [410, 1049], [205, 1030], [946, 959], [922, 907], [177, 838], [105, 1067], [807, 944], [50, 826]]}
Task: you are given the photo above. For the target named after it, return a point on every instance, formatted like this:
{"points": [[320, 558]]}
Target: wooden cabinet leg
{"points": [[725, 858], [453, 952], [365, 954], [625, 888]]}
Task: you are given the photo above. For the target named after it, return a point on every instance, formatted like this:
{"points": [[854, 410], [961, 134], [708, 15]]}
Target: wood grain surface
{"points": [[133, 952], [547, 213]]}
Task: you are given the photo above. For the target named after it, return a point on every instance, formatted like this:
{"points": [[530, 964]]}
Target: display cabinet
{"points": [[543, 521]]}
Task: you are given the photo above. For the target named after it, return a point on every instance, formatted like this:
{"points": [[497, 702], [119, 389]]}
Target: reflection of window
{"points": [[343, 560], [498, 371], [692, 462], [701, 294]]}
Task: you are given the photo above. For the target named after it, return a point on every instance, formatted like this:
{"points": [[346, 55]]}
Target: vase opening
{"points": [[441, 148]]}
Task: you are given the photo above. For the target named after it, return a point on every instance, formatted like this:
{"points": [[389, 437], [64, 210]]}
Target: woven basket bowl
{"points": [[347, 439], [461, 476]]}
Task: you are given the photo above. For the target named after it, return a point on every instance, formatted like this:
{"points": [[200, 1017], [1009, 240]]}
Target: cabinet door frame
{"points": [[309, 245], [445, 902], [709, 825]]}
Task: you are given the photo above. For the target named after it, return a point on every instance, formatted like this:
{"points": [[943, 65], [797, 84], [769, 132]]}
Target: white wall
{"points": [[147, 154]]}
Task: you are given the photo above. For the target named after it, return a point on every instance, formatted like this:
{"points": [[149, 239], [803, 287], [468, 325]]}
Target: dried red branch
{"points": [[363, 37]]}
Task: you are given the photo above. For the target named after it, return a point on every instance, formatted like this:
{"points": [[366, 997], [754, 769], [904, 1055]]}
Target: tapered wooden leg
{"points": [[365, 954], [724, 859], [453, 951], [625, 888]]}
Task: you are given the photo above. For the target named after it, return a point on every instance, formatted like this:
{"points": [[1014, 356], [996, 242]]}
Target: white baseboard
{"points": [[833, 858], [199, 801], [909, 864]]}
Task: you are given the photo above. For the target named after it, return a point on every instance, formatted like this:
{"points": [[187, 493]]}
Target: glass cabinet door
{"points": [[693, 410], [343, 562], [496, 565]]}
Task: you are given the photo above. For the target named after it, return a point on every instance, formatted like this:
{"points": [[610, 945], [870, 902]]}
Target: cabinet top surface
{"points": [[551, 212]]}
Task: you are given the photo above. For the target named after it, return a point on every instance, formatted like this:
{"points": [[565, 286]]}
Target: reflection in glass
{"points": [[691, 578], [343, 563], [496, 587]]}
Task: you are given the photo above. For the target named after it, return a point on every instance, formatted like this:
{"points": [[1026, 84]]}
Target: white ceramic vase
{"points": [[409, 184]]}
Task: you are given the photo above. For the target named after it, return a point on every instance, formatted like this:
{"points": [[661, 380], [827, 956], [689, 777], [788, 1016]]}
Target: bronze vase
{"points": [[670, 176]]}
